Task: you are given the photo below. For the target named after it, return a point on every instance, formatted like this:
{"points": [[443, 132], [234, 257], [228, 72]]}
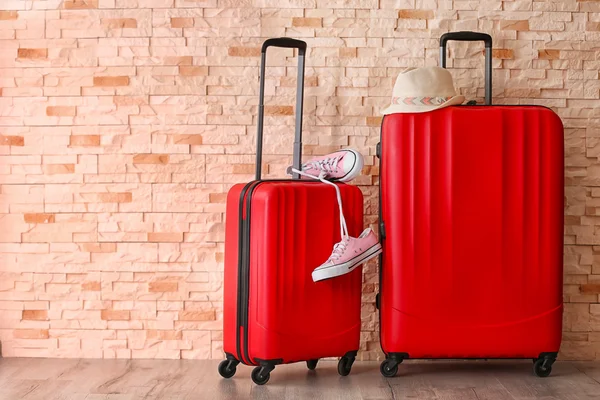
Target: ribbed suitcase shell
{"points": [[472, 209], [293, 227]]}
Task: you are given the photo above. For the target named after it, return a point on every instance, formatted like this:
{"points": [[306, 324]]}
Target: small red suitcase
{"points": [[277, 233], [472, 229]]}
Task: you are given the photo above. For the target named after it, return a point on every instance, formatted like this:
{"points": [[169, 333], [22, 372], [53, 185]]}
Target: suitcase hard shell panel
{"points": [[293, 227], [472, 206]]}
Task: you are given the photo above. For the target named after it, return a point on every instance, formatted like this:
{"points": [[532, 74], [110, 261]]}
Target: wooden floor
{"points": [[48, 379]]}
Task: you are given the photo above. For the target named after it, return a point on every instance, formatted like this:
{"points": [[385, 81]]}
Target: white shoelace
{"points": [[338, 250], [343, 227], [329, 164]]}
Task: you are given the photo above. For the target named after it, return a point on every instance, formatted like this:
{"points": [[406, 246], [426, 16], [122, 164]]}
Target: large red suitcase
{"points": [[277, 233], [472, 229]]}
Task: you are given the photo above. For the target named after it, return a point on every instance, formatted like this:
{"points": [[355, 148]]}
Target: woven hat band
{"points": [[420, 100]]}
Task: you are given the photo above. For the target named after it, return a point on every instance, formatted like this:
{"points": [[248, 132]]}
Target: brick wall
{"points": [[124, 122]]}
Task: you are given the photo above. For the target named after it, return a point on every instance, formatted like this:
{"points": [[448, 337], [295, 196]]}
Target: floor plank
{"points": [[54, 379]]}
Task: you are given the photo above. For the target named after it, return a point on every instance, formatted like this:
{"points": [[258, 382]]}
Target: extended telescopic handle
{"points": [[286, 43], [472, 37]]}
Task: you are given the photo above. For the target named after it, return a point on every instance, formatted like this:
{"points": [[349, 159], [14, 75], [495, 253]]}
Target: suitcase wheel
{"points": [[312, 364], [542, 367], [261, 375], [227, 368], [389, 368], [345, 365]]}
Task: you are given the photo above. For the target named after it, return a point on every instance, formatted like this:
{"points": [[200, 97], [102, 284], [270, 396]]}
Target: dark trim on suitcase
{"points": [[381, 224], [241, 260], [399, 357], [245, 292], [273, 362]]}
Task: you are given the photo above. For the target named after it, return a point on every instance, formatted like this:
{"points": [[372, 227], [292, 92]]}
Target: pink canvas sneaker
{"points": [[342, 166], [348, 254]]}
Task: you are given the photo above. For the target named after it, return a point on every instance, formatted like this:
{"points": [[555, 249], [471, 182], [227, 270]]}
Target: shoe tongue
{"points": [[340, 163]]}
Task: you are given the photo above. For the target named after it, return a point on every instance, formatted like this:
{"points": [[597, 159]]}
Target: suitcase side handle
{"points": [[297, 157], [472, 37]]}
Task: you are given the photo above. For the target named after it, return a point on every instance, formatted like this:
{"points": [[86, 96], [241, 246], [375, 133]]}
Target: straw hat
{"points": [[423, 89]]}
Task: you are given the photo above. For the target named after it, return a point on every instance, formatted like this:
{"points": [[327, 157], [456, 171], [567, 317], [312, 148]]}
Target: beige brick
{"points": [[39, 218], [511, 25], [58, 169], [239, 169], [31, 334], [164, 335], [374, 121], [187, 139], [185, 70], [415, 14], [347, 52], [370, 170], [99, 247], [35, 315], [126, 197], [307, 22], [279, 110], [549, 54], [196, 315], [309, 81], [32, 53], [522, 92], [161, 286], [61, 111], [111, 80], [119, 23], [182, 22], [179, 60], [84, 140], [114, 315], [151, 159], [505, 54], [80, 4], [592, 26], [91, 286], [218, 197], [244, 51], [175, 237]]}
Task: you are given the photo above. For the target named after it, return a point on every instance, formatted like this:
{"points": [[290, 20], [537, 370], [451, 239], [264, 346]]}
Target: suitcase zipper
{"points": [[243, 255], [379, 152], [245, 292]]}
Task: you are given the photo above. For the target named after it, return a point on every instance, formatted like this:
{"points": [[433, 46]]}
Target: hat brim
{"points": [[405, 108]]}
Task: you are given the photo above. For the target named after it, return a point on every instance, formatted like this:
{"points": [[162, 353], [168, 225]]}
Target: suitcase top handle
{"points": [[285, 42], [472, 37], [297, 157]]}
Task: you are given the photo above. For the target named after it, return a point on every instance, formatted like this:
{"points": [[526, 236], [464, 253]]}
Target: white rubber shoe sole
{"points": [[321, 274]]}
